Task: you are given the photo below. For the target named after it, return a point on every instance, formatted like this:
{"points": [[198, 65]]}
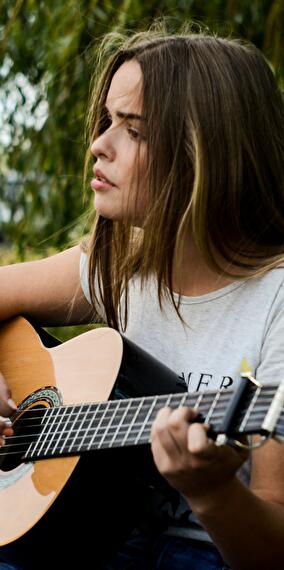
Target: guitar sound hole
{"points": [[26, 429]]}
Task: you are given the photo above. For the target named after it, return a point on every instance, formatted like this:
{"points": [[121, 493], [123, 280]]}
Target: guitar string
{"points": [[19, 440], [85, 413], [87, 416], [145, 437], [127, 400], [72, 412], [119, 412], [118, 404], [119, 409], [126, 426], [73, 408], [117, 441]]}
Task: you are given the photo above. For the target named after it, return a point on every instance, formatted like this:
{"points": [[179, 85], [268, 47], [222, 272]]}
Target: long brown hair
{"points": [[215, 119]]}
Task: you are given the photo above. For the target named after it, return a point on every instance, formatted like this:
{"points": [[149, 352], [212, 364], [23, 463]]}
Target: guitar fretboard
{"points": [[69, 430]]}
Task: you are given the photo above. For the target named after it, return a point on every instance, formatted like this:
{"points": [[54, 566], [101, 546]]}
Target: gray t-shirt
{"points": [[242, 320]]}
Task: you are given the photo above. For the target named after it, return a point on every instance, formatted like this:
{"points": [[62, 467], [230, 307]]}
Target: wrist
{"points": [[213, 501]]}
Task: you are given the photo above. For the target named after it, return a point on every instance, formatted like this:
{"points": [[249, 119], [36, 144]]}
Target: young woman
{"points": [[186, 258]]}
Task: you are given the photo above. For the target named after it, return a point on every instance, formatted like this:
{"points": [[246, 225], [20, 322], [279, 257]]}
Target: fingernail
{"points": [[12, 404]]}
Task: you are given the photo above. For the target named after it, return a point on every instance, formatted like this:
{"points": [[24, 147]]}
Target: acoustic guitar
{"points": [[97, 391]]}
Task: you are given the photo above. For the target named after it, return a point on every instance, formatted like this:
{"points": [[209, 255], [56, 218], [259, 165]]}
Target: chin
{"points": [[117, 215], [104, 211]]}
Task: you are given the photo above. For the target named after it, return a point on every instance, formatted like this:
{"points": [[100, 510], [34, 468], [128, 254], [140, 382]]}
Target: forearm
{"points": [[247, 530]]}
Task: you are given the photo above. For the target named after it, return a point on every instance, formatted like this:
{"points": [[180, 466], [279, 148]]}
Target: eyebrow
{"points": [[127, 116]]}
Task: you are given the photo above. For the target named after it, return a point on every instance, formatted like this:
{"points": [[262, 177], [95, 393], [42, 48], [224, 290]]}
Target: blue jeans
{"points": [[144, 552], [165, 552]]}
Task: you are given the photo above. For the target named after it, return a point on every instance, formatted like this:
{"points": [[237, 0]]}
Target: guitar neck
{"points": [[69, 430]]}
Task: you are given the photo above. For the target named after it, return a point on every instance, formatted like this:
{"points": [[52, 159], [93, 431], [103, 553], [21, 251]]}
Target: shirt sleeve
{"points": [[271, 367], [84, 279], [84, 270]]}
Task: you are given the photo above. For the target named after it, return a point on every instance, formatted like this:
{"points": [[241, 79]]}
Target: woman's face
{"points": [[120, 184]]}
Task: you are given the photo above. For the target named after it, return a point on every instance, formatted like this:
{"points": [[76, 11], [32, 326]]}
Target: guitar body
{"points": [[84, 369]]}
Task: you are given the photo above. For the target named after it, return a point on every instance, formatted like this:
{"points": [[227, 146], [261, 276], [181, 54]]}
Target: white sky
{"points": [[11, 101]]}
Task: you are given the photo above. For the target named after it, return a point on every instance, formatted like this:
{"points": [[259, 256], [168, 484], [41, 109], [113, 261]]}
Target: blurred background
{"points": [[46, 63]]}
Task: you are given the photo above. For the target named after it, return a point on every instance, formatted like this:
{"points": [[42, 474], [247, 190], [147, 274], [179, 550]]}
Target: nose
{"points": [[102, 146]]}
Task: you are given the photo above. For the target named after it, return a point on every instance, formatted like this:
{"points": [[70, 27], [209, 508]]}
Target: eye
{"points": [[105, 121], [135, 134]]}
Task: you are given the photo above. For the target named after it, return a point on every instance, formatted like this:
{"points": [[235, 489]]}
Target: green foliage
{"points": [[65, 333], [46, 59]]}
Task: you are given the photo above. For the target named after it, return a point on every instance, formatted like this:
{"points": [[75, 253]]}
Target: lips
{"points": [[100, 182], [102, 178]]}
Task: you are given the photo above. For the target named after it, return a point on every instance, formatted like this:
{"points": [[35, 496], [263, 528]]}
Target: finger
{"points": [[199, 444], [6, 430], [181, 415], [7, 405], [6, 427], [171, 427], [178, 422], [161, 434]]}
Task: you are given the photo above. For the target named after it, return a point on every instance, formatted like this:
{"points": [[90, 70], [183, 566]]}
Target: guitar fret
{"points": [[126, 433], [212, 407], [100, 422], [146, 419], [80, 410], [91, 426], [58, 431], [67, 430], [198, 402], [62, 435], [176, 402], [125, 412], [154, 410], [50, 441], [115, 413], [131, 436], [183, 400], [85, 419], [45, 432], [140, 407], [157, 405]]}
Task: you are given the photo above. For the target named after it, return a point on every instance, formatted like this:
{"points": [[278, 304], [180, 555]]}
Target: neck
{"points": [[195, 277]]}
